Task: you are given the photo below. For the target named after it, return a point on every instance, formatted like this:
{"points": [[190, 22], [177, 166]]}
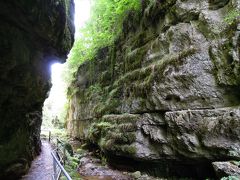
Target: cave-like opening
{"points": [[54, 109], [56, 105]]}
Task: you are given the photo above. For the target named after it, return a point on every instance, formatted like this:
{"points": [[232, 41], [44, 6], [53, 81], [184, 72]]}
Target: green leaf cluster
{"points": [[104, 25], [232, 16], [230, 178]]}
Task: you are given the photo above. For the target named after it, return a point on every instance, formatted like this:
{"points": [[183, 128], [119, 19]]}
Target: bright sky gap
{"points": [[57, 98]]}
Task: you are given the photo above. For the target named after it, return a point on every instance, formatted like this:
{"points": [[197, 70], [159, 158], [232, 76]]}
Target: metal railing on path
{"points": [[58, 169], [58, 160]]}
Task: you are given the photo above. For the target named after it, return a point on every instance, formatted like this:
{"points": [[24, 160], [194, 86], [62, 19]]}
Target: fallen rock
{"points": [[223, 169], [136, 174], [90, 169]]}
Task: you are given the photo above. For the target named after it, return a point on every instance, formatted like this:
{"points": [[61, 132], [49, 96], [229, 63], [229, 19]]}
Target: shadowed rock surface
{"points": [[165, 98], [33, 35]]}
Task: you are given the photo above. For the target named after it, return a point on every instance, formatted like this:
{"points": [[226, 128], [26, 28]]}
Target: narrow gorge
{"points": [[162, 99]]}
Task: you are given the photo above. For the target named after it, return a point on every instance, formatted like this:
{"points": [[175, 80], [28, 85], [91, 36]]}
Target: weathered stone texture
{"points": [[33, 34], [168, 90], [225, 169]]}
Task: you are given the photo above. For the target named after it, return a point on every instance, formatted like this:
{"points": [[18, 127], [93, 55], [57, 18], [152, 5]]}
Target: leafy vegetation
{"points": [[232, 16], [230, 178], [102, 28], [52, 119]]}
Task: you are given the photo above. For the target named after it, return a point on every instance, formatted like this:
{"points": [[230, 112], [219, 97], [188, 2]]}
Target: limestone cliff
{"points": [[166, 95], [33, 34]]}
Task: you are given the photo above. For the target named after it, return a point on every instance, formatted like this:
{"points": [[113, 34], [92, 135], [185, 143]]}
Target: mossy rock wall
{"points": [[175, 69], [33, 34]]}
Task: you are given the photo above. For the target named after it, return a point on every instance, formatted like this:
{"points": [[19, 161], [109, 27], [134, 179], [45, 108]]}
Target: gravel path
{"points": [[42, 166]]}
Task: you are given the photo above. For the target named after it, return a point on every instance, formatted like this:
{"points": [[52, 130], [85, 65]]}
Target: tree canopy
{"points": [[103, 26]]}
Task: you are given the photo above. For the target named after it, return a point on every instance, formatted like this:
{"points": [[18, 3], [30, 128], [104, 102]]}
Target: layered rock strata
{"points": [[166, 94]]}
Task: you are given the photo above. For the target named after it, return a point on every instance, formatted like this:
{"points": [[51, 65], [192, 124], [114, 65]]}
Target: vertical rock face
{"points": [[33, 35], [167, 93]]}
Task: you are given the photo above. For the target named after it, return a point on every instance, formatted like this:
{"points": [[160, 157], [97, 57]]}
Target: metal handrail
{"points": [[57, 162]]}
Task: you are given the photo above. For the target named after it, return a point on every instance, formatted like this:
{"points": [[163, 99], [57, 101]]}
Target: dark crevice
{"points": [[173, 97], [175, 169], [152, 112], [232, 95]]}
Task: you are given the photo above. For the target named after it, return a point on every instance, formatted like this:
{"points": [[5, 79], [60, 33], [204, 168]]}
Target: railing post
{"points": [[49, 136], [58, 163], [54, 169], [64, 155]]}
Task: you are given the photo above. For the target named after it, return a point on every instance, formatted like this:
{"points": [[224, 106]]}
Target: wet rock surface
{"points": [[167, 91], [33, 34], [42, 166]]}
